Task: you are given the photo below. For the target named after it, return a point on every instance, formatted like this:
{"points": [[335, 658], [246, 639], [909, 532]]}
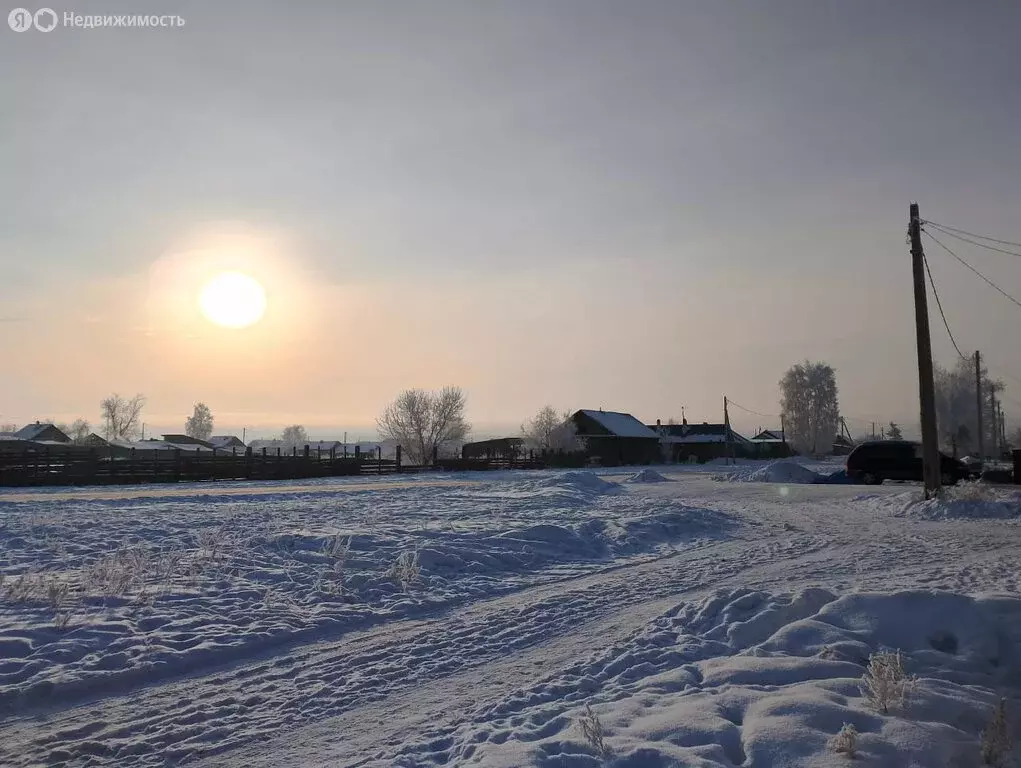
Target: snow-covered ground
{"points": [[471, 618]]}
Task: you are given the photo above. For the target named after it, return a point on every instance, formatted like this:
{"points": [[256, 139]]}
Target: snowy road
{"points": [[344, 696]]}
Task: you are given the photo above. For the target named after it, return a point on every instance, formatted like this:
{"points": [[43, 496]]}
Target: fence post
{"points": [[397, 455], [1017, 466], [358, 453], [379, 459], [436, 454], [177, 464], [131, 462]]}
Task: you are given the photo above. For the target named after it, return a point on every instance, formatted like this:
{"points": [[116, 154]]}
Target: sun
{"points": [[233, 300]]}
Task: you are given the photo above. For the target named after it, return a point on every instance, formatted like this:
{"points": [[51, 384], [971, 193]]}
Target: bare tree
{"points": [[808, 402], [78, 430], [200, 424], [122, 418], [550, 431], [9, 427], [295, 435], [423, 422], [893, 432]]}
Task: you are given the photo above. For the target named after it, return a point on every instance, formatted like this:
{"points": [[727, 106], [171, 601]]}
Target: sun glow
{"points": [[233, 300]]}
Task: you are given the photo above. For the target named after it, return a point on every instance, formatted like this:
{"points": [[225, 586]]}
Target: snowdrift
{"points": [[647, 476], [969, 501], [775, 472], [743, 677]]}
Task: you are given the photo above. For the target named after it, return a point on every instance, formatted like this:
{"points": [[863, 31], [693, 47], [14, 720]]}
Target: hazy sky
{"points": [[633, 205]]}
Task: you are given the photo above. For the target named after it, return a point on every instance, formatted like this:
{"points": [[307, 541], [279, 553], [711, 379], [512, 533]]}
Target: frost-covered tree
{"points": [[8, 427], [550, 431], [425, 422], [122, 418], [956, 406], [295, 435], [893, 432], [200, 424], [808, 402], [77, 430]]}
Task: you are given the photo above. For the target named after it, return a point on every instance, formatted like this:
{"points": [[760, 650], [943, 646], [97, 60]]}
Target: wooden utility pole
{"points": [[978, 404], [992, 421], [926, 388], [726, 427]]}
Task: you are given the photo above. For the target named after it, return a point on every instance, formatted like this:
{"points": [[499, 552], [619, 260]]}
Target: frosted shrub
{"points": [[56, 592], [846, 741], [997, 739], [27, 587], [336, 550], [885, 683], [594, 733], [971, 491], [406, 569]]}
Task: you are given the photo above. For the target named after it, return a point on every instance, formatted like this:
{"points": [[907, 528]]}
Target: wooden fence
{"points": [[113, 467]]}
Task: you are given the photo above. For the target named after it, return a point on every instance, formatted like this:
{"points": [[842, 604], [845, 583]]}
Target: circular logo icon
{"points": [[45, 19], [19, 20]]}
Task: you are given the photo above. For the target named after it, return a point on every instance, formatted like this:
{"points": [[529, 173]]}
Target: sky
{"points": [[637, 206]]}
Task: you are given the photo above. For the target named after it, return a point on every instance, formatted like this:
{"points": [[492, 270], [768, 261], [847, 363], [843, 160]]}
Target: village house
{"points": [[613, 438], [42, 431], [227, 443], [689, 443], [770, 444], [506, 448]]}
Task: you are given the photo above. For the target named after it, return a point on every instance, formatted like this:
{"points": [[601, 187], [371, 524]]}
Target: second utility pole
{"points": [[926, 389], [979, 404]]}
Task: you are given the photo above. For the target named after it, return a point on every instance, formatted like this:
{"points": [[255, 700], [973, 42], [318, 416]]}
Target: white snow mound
{"points": [[647, 476], [579, 481], [776, 472]]}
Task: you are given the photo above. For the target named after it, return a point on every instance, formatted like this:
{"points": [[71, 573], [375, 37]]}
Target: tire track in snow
{"points": [[215, 713]]}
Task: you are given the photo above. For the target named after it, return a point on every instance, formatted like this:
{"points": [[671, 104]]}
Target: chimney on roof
{"points": [[658, 423]]}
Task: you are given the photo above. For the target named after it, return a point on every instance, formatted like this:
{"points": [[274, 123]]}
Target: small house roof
{"points": [[34, 431], [620, 424], [698, 433]]}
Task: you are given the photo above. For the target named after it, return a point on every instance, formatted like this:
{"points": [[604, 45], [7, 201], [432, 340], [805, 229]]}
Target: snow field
{"points": [[474, 622], [751, 678], [100, 596]]}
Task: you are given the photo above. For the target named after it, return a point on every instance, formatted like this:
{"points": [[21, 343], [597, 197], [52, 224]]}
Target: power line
{"points": [[939, 304], [756, 413], [976, 242], [986, 279], [972, 234]]}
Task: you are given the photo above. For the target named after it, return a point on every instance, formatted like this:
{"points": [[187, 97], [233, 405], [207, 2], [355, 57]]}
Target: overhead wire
{"points": [[940, 305], [989, 282], [756, 413], [975, 242], [971, 234]]}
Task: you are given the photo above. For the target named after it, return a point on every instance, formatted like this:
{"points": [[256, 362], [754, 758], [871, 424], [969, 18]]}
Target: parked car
{"points": [[875, 461]]}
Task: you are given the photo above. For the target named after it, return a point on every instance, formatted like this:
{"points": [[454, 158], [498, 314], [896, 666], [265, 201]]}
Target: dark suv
{"points": [[873, 462]]}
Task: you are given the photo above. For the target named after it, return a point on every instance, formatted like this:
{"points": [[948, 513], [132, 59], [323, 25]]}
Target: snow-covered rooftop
{"points": [[620, 424]]}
